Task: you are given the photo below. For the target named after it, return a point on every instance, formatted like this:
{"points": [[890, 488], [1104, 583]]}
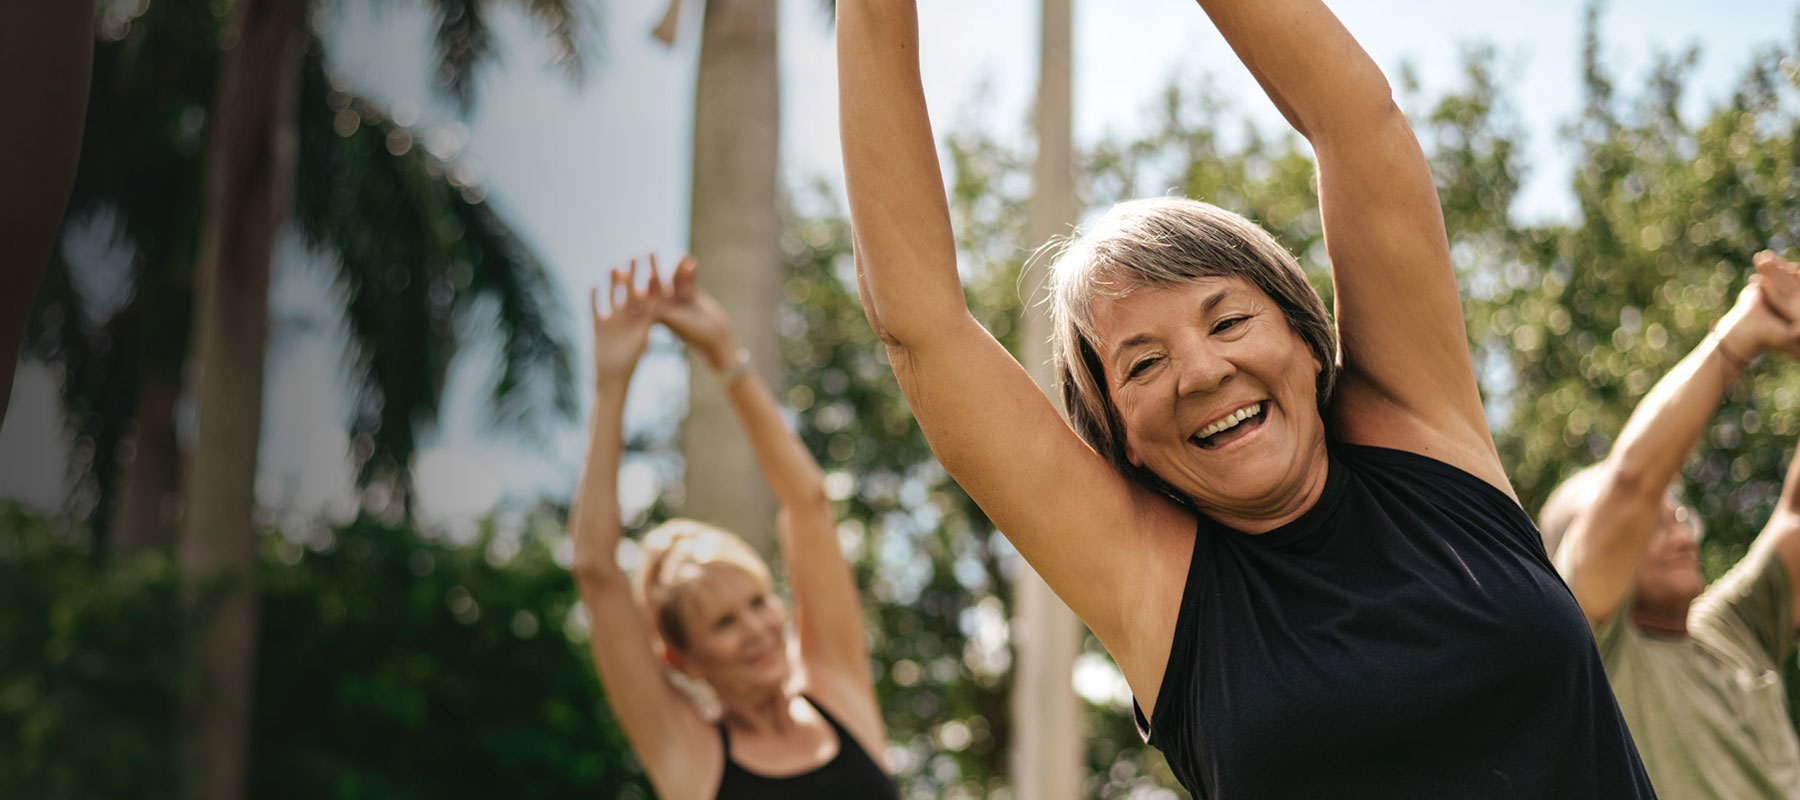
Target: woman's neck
{"points": [[1308, 487], [757, 712]]}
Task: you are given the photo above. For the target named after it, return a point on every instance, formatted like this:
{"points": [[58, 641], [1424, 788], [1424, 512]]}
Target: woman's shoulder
{"points": [[1402, 442], [849, 701], [1413, 477]]}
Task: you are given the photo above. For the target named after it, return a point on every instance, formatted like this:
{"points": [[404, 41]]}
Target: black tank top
{"points": [[1406, 637], [849, 774]]}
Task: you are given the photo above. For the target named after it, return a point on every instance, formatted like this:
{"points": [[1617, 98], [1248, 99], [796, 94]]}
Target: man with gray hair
{"points": [[1696, 668]]}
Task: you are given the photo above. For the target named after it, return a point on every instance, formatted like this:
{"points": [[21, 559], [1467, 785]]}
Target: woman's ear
{"points": [[673, 658]]}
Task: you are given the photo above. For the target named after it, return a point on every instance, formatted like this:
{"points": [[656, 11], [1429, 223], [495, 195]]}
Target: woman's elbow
{"points": [[594, 570], [1627, 484], [810, 499], [1360, 117]]}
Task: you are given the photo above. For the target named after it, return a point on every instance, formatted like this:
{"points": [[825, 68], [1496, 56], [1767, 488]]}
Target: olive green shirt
{"points": [[1708, 710]]}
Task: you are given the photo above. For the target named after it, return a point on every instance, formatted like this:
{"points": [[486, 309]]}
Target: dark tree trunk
{"points": [[251, 152], [149, 500]]}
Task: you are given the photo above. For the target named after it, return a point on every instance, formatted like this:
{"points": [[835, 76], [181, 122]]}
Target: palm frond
{"points": [[464, 40], [416, 254], [535, 357]]}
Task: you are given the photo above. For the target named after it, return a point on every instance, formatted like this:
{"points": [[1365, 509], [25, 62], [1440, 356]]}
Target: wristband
{"points": [[1725, 353], [739, 367]]}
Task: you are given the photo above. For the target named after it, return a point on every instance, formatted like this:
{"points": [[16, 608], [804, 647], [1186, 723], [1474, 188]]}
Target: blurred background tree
{"points": [[420, 260], [734, 225], [396, 664], [196, 168]]}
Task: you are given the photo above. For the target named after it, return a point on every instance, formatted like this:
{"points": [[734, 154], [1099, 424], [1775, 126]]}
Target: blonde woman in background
{"points": [[797, 719]]}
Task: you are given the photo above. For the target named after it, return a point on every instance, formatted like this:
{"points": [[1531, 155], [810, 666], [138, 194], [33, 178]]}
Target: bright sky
{"points": [[594, 173]]}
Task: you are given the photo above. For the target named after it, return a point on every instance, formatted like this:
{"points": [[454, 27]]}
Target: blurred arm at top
{"points": [[46, 59]]}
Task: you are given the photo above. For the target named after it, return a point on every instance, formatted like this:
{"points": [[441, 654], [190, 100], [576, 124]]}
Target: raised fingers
{"points": [[683, 279], [634, 296]]}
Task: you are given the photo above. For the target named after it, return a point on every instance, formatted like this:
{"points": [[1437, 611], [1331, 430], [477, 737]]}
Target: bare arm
{"points": [[46, 57], [1408, 381], [1608, 539], [664, 728], [1782, 532], [1082, 525], [827, 604]]}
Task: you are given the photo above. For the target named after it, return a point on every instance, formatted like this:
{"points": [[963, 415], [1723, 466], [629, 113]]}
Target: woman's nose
{"points": [[1200, 369]]}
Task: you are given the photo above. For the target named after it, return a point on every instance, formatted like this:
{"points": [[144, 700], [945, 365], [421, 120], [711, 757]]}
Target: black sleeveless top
{"points": [[1406, 637], [849, 774]]}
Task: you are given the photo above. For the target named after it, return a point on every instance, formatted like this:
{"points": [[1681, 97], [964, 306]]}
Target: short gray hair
{"points": [[1165, 241]]}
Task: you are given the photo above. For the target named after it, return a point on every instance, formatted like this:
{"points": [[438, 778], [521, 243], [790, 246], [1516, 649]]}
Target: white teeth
{"points": [[1230, 419]]}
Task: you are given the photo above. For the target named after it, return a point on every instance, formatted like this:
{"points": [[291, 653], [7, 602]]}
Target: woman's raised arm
{"points": [[662, 725], [827, 605], [1102, 542], [905, 252], [1407, 381]]}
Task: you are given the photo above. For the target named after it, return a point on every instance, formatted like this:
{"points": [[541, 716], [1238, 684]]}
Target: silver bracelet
{"points": [[740, 366]]}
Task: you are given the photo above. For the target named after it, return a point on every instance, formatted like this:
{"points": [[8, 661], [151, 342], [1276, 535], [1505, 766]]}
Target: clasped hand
{"points": [[622, 326], [1767, 313]]}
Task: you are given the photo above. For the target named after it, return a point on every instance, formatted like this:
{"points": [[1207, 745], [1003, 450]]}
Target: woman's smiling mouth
{"points": [[1231, 427]]}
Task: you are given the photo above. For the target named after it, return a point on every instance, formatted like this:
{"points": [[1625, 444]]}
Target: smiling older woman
{"points": [[1308, 563], [704, 601]]}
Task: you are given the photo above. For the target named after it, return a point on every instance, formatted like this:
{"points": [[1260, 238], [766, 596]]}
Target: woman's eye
{"points": [[1227, 324], [1138, 368], [760, 601]]}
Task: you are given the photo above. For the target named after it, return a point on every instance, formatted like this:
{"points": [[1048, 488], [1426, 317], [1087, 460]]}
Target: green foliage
{"points": [[396, 666], [88, 667], [390, 665], [1576, 322]]}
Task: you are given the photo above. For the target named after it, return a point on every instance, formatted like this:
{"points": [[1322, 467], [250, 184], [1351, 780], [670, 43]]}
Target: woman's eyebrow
{"points": [[1213, 300], [1142, 338]]}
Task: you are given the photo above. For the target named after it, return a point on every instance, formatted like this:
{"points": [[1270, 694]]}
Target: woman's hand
{"points": [[694, 316], [1779, 280], [622, 332], [1766, 316]]}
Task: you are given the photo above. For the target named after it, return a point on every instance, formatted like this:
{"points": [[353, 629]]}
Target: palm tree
{"points": [[247, 195], [735, 229], [1047, 755], [368, 192], [415, 254], [139, 182]]}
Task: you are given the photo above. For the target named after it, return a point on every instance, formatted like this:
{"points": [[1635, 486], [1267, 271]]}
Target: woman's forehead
{"points": [[722, 586], [1127, 314]]}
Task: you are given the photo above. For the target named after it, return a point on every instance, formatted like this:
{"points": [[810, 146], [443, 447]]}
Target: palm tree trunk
{"points": [[251, 152], [149, 491], [735, 234], [1047, 755]]}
